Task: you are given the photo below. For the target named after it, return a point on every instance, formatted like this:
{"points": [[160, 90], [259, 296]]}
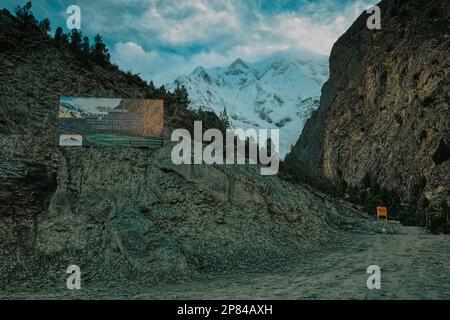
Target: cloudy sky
{"points": [[161, 39]]}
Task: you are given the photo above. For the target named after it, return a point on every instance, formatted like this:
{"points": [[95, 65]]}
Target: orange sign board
{"points": [[381, 212]]}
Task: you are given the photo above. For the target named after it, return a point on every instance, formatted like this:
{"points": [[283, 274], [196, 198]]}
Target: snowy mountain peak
{"points": [[199, 70], [278, 92], [239, 64]]}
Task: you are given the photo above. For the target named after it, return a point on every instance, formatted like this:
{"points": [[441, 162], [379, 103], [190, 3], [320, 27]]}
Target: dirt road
{"points": [[414, 265]]}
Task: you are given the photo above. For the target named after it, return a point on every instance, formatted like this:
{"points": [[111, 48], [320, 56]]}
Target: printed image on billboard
{"points": [[110, 122]]}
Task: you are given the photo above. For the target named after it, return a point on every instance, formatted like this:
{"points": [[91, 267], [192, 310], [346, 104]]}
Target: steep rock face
{"points": [[385, 110]]}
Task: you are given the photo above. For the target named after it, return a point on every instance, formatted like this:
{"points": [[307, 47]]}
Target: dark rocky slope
{"points": [[385, 110], [124, 213]]}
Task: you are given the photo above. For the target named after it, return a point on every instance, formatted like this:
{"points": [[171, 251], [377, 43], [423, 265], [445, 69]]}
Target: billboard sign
{"points": [[111, 122]]}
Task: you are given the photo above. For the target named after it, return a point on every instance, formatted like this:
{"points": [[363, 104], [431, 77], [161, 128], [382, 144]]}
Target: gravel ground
{"points": [[414, 265]]}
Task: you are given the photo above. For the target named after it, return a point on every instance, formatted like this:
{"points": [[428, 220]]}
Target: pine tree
{"points": [[60, 38], [224, 117], [86, 47], [182, 96], [44, 27], [58, 35], [99, 50], [25, 16], [75, 40]]}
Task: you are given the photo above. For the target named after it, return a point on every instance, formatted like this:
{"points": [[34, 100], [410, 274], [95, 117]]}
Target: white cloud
{"points": [[222, 31], [158, 66], [180, 22], [133, 53], [294, 31]]}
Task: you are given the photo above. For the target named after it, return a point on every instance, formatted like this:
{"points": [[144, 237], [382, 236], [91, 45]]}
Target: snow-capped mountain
{"points": [[278, 92]]}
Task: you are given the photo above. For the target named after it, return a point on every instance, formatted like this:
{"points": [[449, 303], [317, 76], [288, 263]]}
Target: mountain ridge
{"points": [[278, 92]]}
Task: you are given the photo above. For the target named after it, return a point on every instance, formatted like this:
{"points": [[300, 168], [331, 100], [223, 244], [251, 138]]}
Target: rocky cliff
{"points": [[385, 112], [128, 214]]}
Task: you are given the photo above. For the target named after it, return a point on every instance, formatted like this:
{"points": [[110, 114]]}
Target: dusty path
{"points": [[414, 265]]}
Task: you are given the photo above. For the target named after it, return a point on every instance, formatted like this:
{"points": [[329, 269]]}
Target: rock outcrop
{"points": [[385, 111]]}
